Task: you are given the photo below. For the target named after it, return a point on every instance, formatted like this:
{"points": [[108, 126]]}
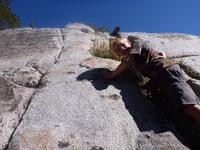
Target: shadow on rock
{"points": [[145, 114], [94, 76]]}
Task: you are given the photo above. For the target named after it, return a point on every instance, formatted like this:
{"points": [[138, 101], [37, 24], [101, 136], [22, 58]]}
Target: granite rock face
{"points": [[27, 76], [52, 97], [14, 100], [174, 44], [29, 47]]}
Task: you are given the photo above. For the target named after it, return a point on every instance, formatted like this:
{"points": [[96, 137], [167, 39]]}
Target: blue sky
{"points": [[180, 16]]}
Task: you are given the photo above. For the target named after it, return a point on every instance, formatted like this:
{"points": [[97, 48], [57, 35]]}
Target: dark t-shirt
{"points": [[141, 56], [166, 73]]}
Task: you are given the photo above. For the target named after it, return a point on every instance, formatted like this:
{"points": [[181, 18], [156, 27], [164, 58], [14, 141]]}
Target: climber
{"points": [[165, 73], [116, 32]]}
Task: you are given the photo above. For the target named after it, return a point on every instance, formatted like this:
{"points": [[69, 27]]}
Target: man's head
{"points": [[121, 46], [117, 29]]}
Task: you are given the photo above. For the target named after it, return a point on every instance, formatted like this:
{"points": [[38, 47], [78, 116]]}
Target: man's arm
{"points": [[122, 67]]}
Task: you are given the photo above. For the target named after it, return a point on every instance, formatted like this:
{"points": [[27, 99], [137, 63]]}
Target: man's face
{"points": [[124, 48]]}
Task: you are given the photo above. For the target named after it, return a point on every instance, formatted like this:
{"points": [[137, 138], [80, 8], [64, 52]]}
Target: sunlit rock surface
{"points": [[49, 77], [14, 100]]}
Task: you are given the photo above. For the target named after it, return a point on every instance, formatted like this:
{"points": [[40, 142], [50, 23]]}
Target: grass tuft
{"points": [[100, 48]]}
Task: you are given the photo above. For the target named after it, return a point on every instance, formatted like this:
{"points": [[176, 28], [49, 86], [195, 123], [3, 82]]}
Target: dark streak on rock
{"points": [[70, 72], [85, 30], [96, 148], [84, 66], [62, 144], [113, 97], [72, 136]]}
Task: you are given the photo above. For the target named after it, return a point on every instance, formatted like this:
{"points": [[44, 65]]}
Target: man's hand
{"points": [[107, 74]]}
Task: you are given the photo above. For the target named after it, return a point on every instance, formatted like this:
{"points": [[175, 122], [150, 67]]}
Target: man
{"points": [[165, 73], [116, 32]]}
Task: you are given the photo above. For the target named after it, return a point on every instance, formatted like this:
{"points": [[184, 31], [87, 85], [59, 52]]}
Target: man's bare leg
{"points": [[193, 111]]}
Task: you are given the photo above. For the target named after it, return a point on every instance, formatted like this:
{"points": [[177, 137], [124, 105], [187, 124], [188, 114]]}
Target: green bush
{"points": [[104, 53], [7, 18]]}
